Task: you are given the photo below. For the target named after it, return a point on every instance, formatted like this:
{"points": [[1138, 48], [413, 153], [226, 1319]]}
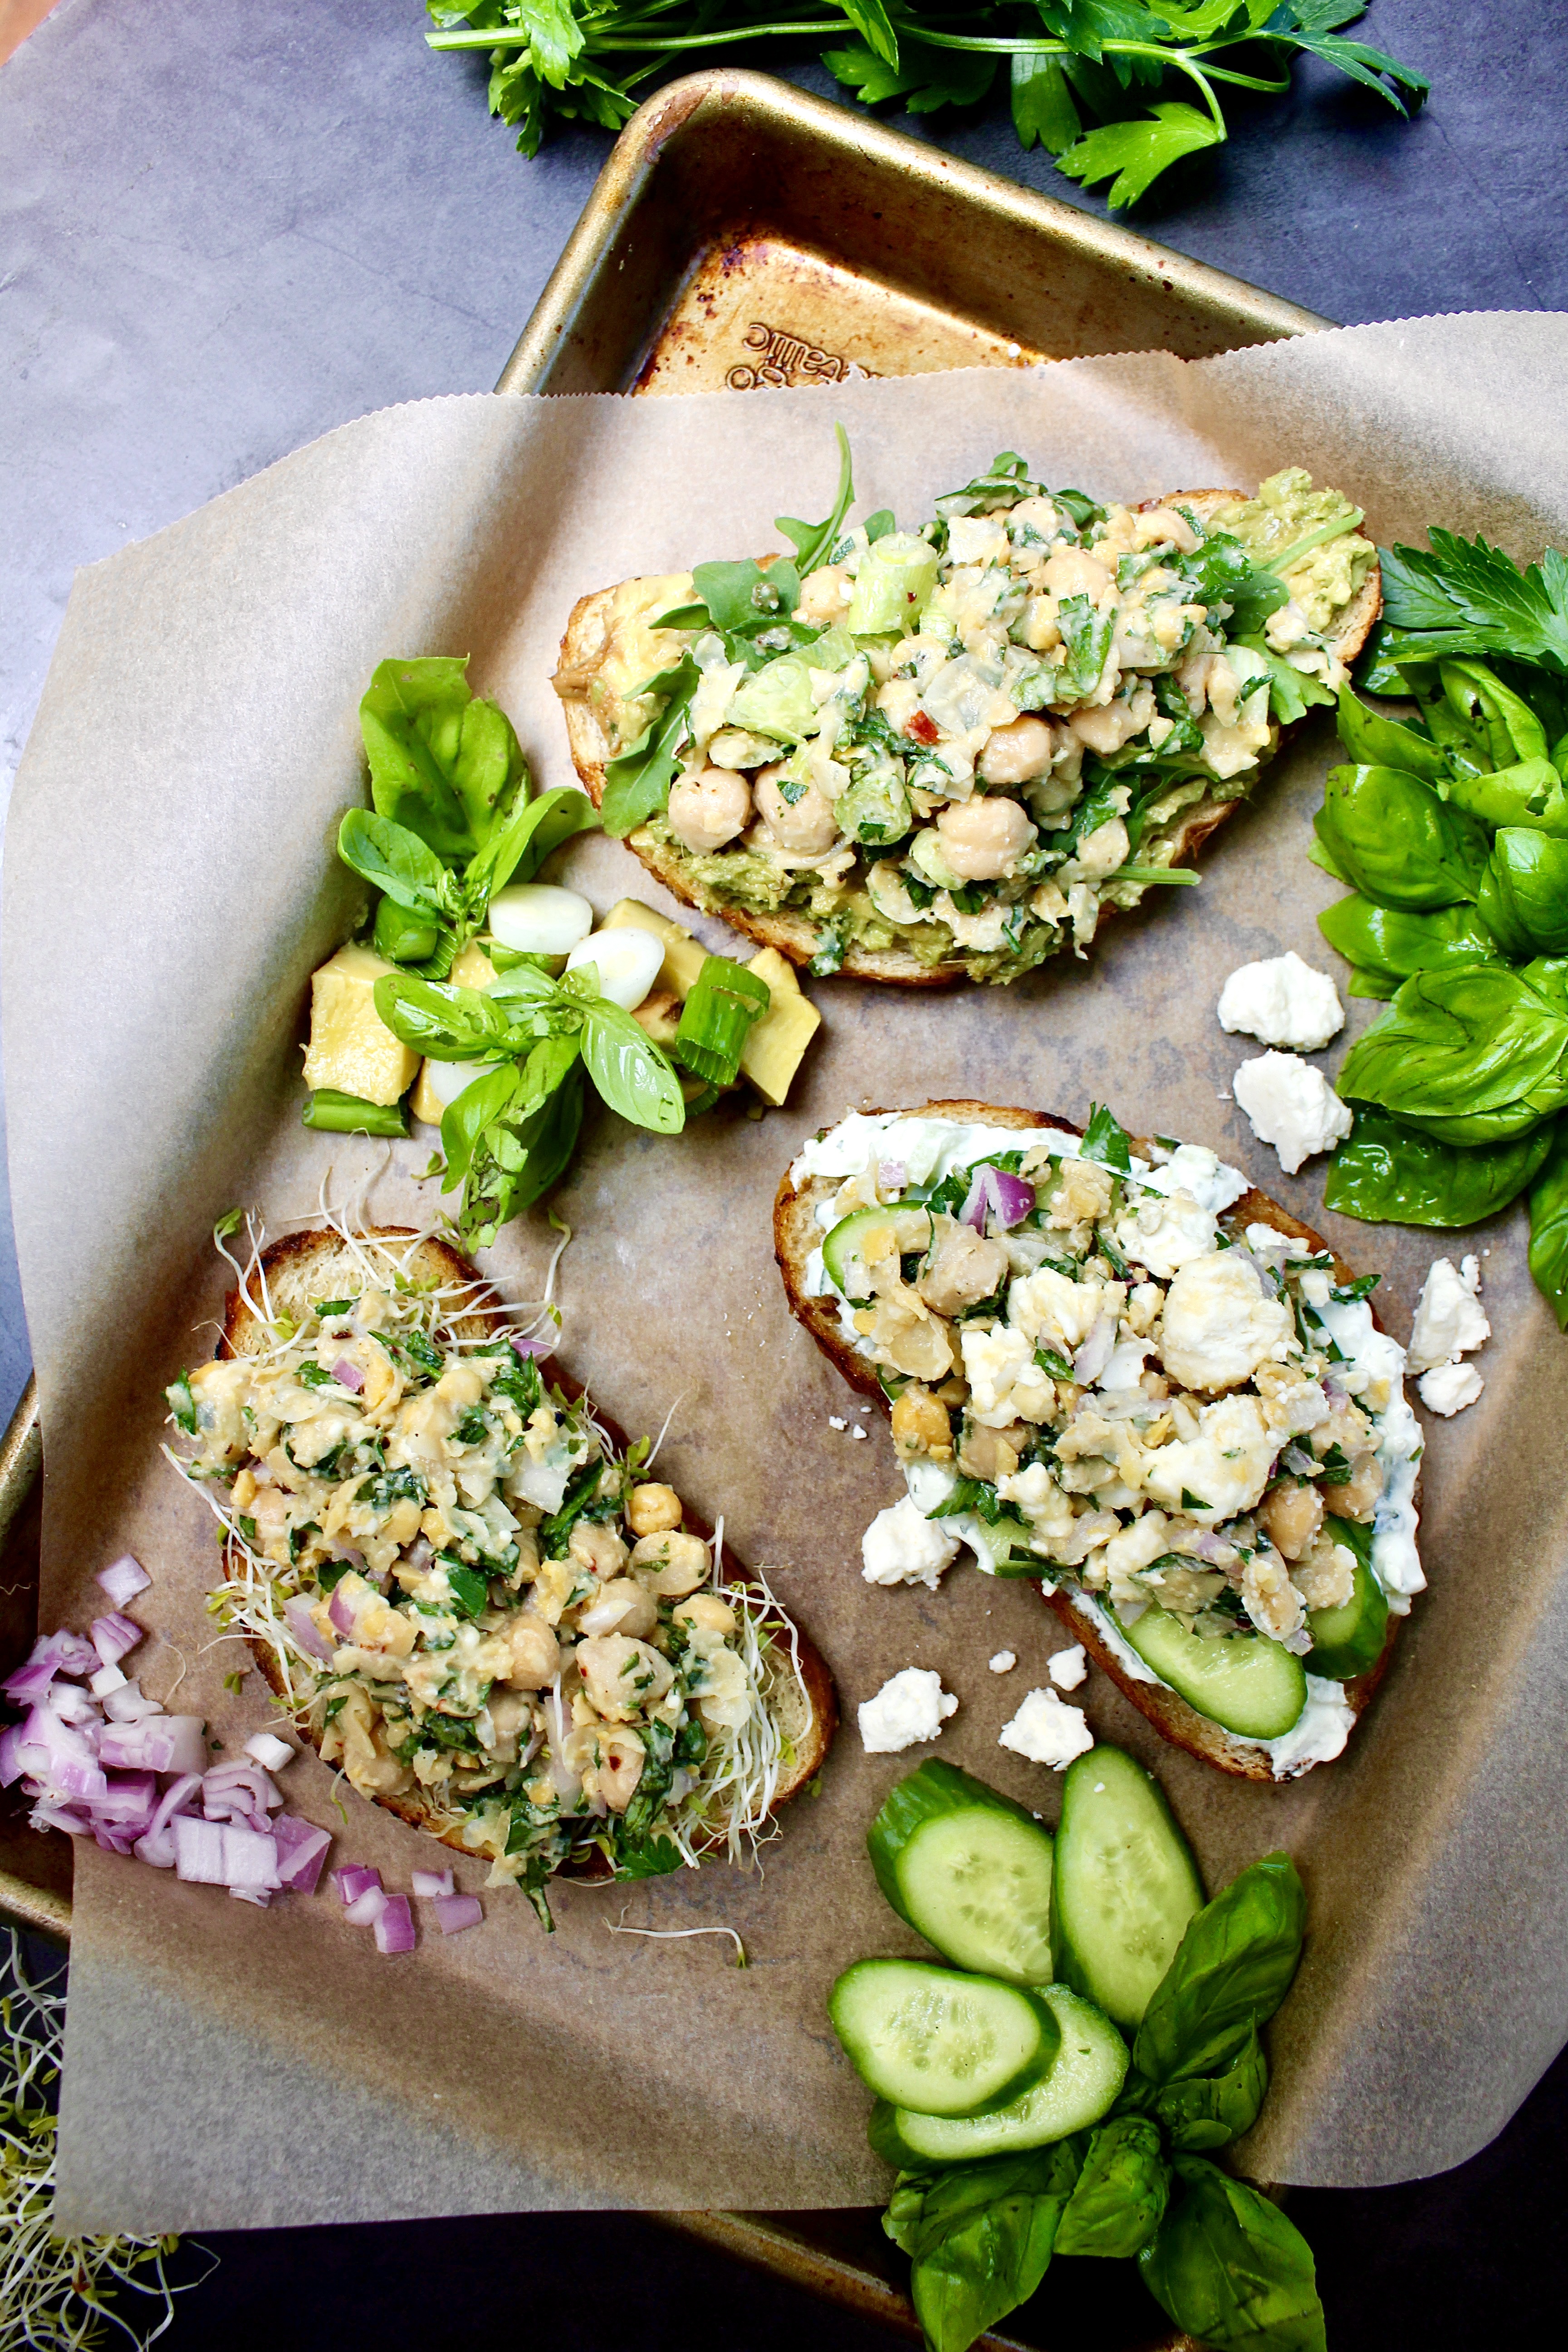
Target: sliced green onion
{"points": [[347, 1115], [717, 1018], [1154, 874]]}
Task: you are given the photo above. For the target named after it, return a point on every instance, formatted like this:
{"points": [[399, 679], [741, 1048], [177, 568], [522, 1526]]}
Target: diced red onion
{"points": [[249, 1857], [124, 1580], [130, 1801], [340, 1608], [271, 1752], [74, 1706], [158, 1743], [238, 1792], [456, 1912], [113, 1840], [131, 1704], [113, 1636], [892, 1176], [198, 1849], [303, 1849], [535, 1348], [45, 1816], [107, 1680], [429, 1883], [348, 1375], [302, 1625], [1095, 1353], [420, 1555], [366, 1908], [31, 1682], [994, 1192], [394, 1927], [158, 1845], [11, 1765], [79, 1783], [250, 1894], [354, 1879]]}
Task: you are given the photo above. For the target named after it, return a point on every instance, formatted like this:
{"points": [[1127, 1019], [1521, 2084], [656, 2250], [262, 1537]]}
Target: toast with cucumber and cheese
{"points": [[1118, 1366], [454, 1572], [945, 753]]}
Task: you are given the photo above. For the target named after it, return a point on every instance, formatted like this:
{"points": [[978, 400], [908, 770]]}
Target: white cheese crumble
{"points": [[1047, 1731], [1291, 1105], [901, 1546], [1069, 1668], [1283, 1001], [1447, 1389], [1450, 1321], [1003, 1662], [929, 1149], [910, 1708]]}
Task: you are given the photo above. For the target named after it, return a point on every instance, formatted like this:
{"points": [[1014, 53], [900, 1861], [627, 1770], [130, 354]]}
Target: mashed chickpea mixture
{"points": [[970, 738], [1099, 1375], [486, 1616]]}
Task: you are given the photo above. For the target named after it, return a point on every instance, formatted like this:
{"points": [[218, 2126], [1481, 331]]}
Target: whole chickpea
{"points": [[651, 1508], [982, 839], [1018, 753], [825, 593], [921, 1426], [807, 826], [708, 809]]}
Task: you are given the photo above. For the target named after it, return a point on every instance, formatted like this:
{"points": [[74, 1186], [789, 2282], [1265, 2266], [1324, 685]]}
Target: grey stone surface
{"points": [[225, 229]]}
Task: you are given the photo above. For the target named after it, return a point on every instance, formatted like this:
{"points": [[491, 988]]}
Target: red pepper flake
{"points": [[923, 730]]}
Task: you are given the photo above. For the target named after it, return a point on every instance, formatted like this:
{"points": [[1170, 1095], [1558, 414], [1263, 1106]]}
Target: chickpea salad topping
{"points": [[1099, 1374], [964, 741], [483, 1612]]}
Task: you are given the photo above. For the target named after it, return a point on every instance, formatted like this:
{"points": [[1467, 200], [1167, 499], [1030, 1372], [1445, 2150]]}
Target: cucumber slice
{"points": [[1126, 1884], [1348, 1639], [917, 2034], [841, 1256], [970, 1871], [1081, 2084], [1243, 1682]]}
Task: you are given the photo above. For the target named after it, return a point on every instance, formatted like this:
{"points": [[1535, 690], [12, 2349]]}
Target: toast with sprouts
{"points": [[1117, 1367], [956, 748], [468, 1592]]}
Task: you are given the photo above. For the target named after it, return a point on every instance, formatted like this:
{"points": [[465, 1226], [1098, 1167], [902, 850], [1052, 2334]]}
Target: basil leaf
{"points": [[400, 936], [456, 1025], [398, 863], [1121, 2194], [1375, 742], [441, 763], [1530, 794], [637, 781], [1210, 2110], [634, 1076], [716, 1019], [1500, 727], [1227, 2267], [980, 2238], [1232, 1969], [1471, 1055], [814, 542], [1523, 895], [1391, 942], [516, 850], [1548, 1226], [1105, 1140], [1392, 839], [1389, 1173], [463, 1121]]}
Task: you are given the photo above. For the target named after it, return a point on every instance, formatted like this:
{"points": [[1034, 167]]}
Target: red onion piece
{"points": [[79, 1783], [124, 1580], [1095, 1353], [11, 1766], [198, 1849], [303, 1849], [394, 1927], [456, 1912], [30, 1682], [272, 1753], [348, 1375], [340, 1608], [130, 1704], [159, 1743], [302, 1625], [366, 1908], [45, 1816], [354, 1879], [250, 1894], [238, 1792], [130, 1801], [76, 1706], [158, 1845], [892, 1176], [1011, 1198], [112, 1637], [973, 1210], [249, 1857], [535, 1348], [429, 1883]]}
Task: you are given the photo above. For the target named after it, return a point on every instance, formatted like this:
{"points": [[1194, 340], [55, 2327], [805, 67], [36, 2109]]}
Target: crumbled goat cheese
{"points": [[1069, 1668], [1450, 1321], [1003, 1662], [1447, 1389], [833, 1422], [1047, 1731], [910, 1708], [901, 1546], [857, 1432], [1291, 1105], [1284, 1001]]}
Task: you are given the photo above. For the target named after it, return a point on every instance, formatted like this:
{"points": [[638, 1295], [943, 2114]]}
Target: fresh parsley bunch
{"points": [[1452, 828], [1103, 64]]}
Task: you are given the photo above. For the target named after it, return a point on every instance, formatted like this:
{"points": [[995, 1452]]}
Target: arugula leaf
{"points": [[1389, 1173], [742, 597], [1226, 2267], [1133, 154], [637, 781], [1105, 1140], [1231, 1971], [814, 541], [1548, 1226], [1120, 2196]]}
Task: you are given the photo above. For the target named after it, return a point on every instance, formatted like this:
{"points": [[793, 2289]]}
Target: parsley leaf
{"points": [[1133, 154]]}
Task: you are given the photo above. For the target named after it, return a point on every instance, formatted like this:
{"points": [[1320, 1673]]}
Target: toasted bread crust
{"points": [[300, 1267], [792, 933], [796, 1234]]}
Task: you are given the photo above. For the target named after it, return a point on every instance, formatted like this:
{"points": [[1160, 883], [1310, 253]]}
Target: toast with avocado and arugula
{"points": [[919, 756], [1117, 1367], [460, 1578]]}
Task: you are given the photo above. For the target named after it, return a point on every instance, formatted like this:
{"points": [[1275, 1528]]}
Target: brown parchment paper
{"points": [[170, 885]]}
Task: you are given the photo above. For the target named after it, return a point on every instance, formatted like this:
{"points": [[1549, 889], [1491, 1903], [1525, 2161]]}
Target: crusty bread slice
{"points": [[318, 1264], [587, 643], [796, 1234]]}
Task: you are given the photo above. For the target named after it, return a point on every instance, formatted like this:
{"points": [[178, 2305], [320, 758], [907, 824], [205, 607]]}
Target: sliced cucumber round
{"points": [[1346, 1641], [1126, 1884], [841, 1252], [1081, 2086], [950, 2044], [970, 1871], [1243, 1682]]}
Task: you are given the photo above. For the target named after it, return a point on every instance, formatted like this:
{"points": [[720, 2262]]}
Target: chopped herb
{"points": [[1191, 1502], [313, 1377], [1057, 1366], [470, 1589], [181, 1404], [246, 1526]]}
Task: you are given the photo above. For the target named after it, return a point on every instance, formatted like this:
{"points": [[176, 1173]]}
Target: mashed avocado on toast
{"points": [[917, 754]]}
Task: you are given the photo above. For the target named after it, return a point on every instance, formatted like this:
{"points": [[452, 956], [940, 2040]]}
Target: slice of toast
{"points": [[320, 1263], [609, 630], [796, 1234]]}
